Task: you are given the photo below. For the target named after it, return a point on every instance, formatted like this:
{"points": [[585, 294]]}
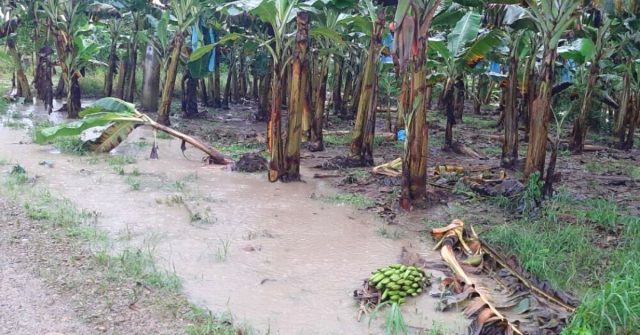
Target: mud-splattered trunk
{"points": [[539, 115], [510, 145], [337, 86], [299, 93], [547, 189], [364, 129], [151, 81], [74, 95], [320, 93], [172, 71], [22, 83], [43, 81], [111, 68], [189, 96], [631, 123]]}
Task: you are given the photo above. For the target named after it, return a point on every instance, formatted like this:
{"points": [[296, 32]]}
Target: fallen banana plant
{"points": [[499, 297], [391, 169], [118, 118]]}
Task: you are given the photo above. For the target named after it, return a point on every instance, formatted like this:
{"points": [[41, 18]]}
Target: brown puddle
{"points": [[269, 254]]}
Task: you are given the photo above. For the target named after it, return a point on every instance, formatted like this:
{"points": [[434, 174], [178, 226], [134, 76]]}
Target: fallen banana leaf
{"points": [[442, 169], [120, 117], [504, 299]]}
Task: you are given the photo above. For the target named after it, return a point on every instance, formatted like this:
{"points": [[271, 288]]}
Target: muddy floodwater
{"points": [[280, 257]]}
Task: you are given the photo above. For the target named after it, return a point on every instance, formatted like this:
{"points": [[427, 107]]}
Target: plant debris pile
{"points": [[498, 295], [251, 162]]}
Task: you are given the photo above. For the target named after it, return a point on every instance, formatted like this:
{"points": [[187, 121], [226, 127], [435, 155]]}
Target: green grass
{"points": [[205, 323], [392, 234], [133, 182], [164, 136], [357, 200], [627, 168], [92, 85], [238, 149], [337, 139], [565, 246], [120, 160], [141, 266], [71, 145], [480, 122]]}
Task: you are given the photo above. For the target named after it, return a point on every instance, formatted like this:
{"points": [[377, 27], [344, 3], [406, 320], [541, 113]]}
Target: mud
{"points": [[274, 255]]}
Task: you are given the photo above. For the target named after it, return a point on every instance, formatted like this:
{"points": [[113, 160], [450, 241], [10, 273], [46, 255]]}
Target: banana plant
{"points": [[551, 18], [9, 23], [412, 23], [463, 47], [185, 12], [117, 119]]}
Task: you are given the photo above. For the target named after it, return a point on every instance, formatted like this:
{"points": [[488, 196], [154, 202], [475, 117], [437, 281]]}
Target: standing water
{"points": [[272, 255]]}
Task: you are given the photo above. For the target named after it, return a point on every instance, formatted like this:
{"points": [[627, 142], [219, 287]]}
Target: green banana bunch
{"points": [[397, 282]]}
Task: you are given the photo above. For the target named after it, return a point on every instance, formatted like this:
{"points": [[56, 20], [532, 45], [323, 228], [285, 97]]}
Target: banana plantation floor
{"points": [[282, 258]]}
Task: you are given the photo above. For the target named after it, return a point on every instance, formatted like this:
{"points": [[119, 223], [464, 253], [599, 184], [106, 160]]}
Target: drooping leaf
{"points": [[483, 45], [465, 31], [447, 18], [580, 50], [70, 129], [110, 104], [112, 136]]}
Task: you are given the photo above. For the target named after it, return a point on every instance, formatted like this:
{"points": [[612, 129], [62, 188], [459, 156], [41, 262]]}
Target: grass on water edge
{"points": [[128, 265], [590, 247]]}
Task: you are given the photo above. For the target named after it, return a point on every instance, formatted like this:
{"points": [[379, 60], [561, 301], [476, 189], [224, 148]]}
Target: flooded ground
{"points": [[277, 256]]}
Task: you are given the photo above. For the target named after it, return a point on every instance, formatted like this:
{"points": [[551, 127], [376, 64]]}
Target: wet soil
{"points": [[282, 257]]}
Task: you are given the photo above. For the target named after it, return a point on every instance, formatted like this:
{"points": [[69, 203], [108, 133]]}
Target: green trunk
{"points": [[299, 88], [364, 129], [167, 89]]}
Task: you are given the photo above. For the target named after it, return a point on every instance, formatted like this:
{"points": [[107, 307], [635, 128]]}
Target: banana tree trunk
{"points": [[151, 80], [621, 116], [403, 101], [580, 124], [203, 92], [216, 80], [458, 100], [111, 68], [189, 96], [265, 91], [172, 71], [274, 129], [22, 82], [227, 88], [320, 91], [43, 82], [74, 95], [130, 89], [540, 114], [61, 87], [364, 130], [634, 120], [510, 145], [123, 68], [299, 98], [449, 107], [414, 162], [337, 86]]}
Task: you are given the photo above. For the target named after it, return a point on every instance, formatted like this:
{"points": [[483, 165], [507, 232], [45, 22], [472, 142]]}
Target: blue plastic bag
{"points": [[402, 135]]}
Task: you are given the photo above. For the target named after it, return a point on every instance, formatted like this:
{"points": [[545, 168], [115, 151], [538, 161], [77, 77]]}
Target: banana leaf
{"points": [[112, 136], [483, 45], [77, 127], [110, 105], [465, 31]]}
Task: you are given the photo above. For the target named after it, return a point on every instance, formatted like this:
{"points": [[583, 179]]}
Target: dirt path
{"points": [[277, 256]]}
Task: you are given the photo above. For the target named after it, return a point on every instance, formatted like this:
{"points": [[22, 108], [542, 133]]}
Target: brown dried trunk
{"points": [[540, 114], [337, 87], [172, 71]]}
